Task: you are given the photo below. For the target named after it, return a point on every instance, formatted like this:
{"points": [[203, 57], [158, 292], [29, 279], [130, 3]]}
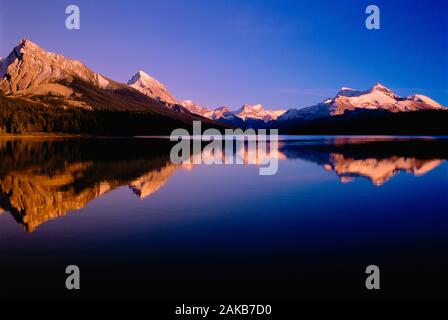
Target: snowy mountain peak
{"points": [[257, 112], [385, 90], [378, 97], [379, 86], [250, 108], [258, 107], [151, 87], [143, 77]]}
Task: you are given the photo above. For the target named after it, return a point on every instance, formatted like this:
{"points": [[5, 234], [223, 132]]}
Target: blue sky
{"points": [[283, 54]]}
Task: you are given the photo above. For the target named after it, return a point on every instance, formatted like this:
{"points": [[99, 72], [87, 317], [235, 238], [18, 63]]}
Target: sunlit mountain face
{"points": [[43, 180]]}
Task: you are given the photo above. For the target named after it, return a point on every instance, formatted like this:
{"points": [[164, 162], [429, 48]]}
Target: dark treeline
{"points": [[18, 116], [428, 122]]}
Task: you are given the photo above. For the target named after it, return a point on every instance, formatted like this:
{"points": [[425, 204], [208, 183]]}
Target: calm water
{"points": [[141, 227]]}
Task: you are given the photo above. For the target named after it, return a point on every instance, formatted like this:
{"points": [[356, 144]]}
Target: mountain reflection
{"points": [[43, 180], [377, 159]]}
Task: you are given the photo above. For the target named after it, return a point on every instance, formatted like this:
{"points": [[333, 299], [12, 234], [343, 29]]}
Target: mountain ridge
{"points": [[36, 75], [32, 74], [153, 88], [378, 97]]}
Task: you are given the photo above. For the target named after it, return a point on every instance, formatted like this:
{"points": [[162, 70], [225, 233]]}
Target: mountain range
{"points": [[151, 87], [34, 78], [348, 100], [37, 78]]}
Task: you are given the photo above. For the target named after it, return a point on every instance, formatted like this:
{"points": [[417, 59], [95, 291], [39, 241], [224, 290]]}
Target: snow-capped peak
{"points": [[151, 87], [143, 77], [385, 90], [379, 86], [258, 112], [247, 108], [378, 97]]}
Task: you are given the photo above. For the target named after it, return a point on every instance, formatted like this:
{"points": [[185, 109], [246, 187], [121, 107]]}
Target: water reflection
{"points": [[43, 180], [375, 159]]}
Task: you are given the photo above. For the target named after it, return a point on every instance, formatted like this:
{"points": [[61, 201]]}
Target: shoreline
{"points": [[281, 136], [43, 135]]}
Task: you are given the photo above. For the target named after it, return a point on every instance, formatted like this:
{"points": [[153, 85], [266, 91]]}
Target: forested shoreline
{"points": [[21, 117]]}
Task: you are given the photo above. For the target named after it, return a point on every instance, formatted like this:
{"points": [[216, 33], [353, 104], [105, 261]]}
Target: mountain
{"points": [[257, 112], [29, 69], [34, 79], [349, 100], [151, 87], [154, 89], [248, 116], [41, 91], [32, 72], [197, 109], [224, 115]]}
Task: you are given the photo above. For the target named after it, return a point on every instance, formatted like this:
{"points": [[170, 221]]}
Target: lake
{"points": [[141, 227]]}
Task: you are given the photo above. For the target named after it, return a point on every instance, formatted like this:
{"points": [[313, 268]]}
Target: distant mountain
{"points": [[244, 116], [348, 100], [197, 109], [257, 112]]}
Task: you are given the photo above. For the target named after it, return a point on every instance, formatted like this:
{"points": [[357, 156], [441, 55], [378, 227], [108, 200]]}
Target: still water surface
{"points": [[140, 227]]}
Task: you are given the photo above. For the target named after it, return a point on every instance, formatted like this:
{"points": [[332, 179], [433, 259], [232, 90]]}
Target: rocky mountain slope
{"points": [[32, 74]]}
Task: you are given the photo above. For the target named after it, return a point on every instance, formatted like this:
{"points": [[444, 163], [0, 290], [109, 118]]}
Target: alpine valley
{"points": [[45, 92]]}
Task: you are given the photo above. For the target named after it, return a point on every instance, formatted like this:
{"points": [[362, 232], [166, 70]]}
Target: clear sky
{"points": [[283, 54]]}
